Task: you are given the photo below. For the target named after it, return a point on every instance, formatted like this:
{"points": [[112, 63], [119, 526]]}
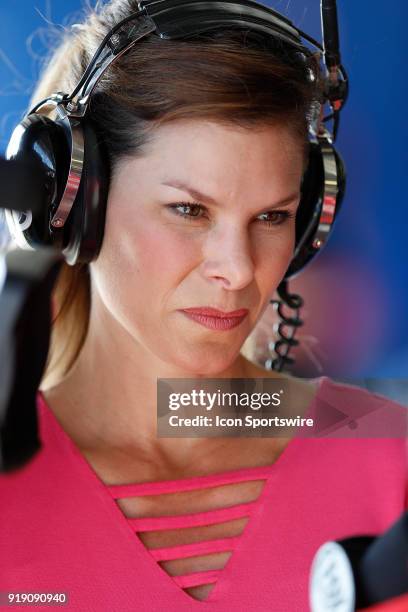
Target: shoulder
{"points": [[302, 390], [346, 411]]}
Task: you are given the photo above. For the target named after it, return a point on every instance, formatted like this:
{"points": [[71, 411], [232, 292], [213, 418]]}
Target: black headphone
{"points": [[75, 166]]}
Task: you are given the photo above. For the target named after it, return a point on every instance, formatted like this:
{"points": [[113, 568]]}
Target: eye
{"points": [[192, 210], [187, 206], [277, 217]]}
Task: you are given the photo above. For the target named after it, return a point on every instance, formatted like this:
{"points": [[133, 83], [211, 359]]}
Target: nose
{"points": [[228, 258]]}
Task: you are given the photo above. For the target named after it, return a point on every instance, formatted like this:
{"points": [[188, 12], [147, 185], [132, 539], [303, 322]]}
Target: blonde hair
{"points": [[230, 76], [71, 295]]}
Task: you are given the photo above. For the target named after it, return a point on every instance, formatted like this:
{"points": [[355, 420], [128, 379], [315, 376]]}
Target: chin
{"points": [[207, 363]]}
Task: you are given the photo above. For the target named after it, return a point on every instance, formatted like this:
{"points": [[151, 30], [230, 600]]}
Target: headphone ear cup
{"points": [[310, 207], [84, 228], [43, 142]]}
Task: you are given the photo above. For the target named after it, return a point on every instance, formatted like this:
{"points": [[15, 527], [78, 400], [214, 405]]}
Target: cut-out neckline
{"points": [[105, 490], [204, 546], [159, 487]]}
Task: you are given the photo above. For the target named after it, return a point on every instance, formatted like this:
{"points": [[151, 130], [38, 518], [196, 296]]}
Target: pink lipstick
{"points": [[216, 319]]}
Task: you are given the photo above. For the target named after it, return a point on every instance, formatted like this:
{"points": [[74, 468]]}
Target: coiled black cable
{"points": [[291, 323]]}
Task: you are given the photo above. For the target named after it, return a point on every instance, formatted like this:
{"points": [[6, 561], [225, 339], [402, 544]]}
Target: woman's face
{"points": [[238, 190]]}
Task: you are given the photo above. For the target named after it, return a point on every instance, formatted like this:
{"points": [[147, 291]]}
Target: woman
{"points": [[207, 144]]}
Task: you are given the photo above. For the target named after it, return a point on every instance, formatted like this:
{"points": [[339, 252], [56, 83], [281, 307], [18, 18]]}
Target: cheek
{"points": [[143, 262], [160, 256]]}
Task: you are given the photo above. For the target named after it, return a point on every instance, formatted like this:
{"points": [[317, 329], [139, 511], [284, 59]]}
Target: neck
{"points": [[109, 398]]}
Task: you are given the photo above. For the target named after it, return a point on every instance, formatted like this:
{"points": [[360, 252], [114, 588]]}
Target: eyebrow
{"points": [[206, 199]]}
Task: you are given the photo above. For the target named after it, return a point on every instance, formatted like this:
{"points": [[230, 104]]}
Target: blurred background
{"points": [[356, 291]]}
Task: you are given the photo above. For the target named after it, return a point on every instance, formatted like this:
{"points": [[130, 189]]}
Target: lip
{"points": [[208, 311], [219, 323]]}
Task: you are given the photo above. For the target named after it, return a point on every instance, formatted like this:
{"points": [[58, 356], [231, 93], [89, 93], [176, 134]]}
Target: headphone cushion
{"points": [[311, 191], [85, 225]]}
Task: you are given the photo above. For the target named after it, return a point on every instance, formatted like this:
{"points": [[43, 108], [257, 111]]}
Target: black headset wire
{"points": [[289, 324]]}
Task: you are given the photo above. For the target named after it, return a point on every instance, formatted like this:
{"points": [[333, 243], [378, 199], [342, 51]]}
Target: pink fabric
{"points": [[62, 531]]}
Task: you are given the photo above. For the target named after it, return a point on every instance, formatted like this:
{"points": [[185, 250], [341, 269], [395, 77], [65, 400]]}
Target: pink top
{"points": [[62, 530]]}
